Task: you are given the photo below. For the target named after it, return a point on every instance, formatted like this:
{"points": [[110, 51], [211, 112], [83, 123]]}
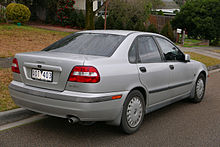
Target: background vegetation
{"points": [[201, 19], [18, 13]]}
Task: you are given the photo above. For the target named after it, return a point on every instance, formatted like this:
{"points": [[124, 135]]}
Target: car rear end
{"points": [[64, 84]]}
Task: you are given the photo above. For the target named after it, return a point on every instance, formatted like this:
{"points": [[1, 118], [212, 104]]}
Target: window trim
{"points": [[162, 50]]}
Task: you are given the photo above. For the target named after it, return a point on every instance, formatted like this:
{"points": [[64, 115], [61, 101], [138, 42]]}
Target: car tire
{"points": [[133, 112], [199, 89]]}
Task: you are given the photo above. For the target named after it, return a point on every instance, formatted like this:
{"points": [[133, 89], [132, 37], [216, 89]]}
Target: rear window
{"points": [[87, 44]]}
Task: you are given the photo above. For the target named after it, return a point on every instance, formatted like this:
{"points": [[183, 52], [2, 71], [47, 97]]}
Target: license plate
{"points": [[42, 75]]}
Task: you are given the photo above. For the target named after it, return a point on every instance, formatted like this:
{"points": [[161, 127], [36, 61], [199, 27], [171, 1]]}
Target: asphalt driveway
{"points": [[180, 124]]}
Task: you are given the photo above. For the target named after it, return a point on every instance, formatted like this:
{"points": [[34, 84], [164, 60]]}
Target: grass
{"points": [[217, 51], [15, 39], [191, 43], [208, 61], [6, 102]]}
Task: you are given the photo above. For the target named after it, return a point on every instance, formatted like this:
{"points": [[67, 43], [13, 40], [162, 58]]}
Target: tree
{"points": [[90, 14], [136, 9], [167, 31], [200, 18], [152, 28], [128, 15]]}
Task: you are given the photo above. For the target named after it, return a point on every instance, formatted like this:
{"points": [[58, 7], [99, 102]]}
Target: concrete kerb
{"points": [[15, 115]]}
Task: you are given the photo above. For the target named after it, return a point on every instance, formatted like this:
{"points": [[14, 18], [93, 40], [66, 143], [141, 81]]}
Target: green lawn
{"points": [[15, 39], [192, 42]]}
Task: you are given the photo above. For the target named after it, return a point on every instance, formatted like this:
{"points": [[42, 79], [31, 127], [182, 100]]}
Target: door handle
{"points": [[171, 67], [142, 69]]}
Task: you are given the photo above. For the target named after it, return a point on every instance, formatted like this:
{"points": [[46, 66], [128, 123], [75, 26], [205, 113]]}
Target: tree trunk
{"points": [[89, 15]]}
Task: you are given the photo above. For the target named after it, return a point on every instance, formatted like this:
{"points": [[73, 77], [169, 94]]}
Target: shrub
{"points": [[151, 28], [139, 26], [66, 13], [167, 31], [160, 12], [81, 20], [18, 13], [2, 14], [68, 16], [99, 23], [130, 16]]}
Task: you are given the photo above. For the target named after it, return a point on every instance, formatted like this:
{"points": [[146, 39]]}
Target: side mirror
{"points": [[187, 57]]}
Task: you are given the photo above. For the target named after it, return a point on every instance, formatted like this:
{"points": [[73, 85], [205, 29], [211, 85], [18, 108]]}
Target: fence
{"points": [[159, 20]]}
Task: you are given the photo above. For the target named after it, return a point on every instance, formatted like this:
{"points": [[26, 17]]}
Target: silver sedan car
{"points": [[111, 76]]}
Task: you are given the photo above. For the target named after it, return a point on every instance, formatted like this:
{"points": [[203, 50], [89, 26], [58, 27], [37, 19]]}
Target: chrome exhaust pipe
{"points": [[73, 120]]}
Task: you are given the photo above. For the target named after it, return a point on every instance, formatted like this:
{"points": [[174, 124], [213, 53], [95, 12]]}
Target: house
{"points": [[168, 8], [81, 4]]}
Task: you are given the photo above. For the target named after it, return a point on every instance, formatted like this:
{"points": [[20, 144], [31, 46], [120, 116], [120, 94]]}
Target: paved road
{"points": [[181, 124]]}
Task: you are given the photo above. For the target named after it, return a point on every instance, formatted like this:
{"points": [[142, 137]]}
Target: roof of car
{"points": [[117, 32]]}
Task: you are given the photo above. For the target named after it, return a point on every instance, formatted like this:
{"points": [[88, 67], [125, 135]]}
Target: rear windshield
{"points": [[87, 44]]}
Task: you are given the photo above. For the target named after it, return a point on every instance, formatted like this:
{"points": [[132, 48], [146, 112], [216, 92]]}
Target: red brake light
{"points": [[14, 66], [84, 74]]}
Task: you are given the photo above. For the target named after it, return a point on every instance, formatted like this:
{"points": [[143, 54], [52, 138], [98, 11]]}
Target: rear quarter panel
{"points": [[116, 73]]}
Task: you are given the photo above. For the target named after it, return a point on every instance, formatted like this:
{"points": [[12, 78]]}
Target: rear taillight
{"points": [[14, 66], [84, 74]]}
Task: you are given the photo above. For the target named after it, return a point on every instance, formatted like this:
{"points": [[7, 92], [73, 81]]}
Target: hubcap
{"points": [[134, 112], [200, 88]]}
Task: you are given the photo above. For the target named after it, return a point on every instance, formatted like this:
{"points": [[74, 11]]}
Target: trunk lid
{"points": [[60, 64]]}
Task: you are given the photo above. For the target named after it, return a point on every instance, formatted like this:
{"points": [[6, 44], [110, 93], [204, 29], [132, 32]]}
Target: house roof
{"points": [[169, 4]]}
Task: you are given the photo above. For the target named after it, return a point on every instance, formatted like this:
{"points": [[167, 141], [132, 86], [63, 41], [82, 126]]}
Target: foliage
{"points": [[179, 2], [201, 18], [152, 28], [99, 24], [167, 31], [18, 13], [156, 3], [81, 19], [65, 12], [2, 14], [160, 12], [130, 16], [68, 16], [129, 9]]}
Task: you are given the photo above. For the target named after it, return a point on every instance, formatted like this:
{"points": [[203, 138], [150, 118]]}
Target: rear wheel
{"points": [[133, 112], [199, 89]]}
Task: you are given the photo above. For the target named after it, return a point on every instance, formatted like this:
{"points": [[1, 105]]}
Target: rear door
{"points": [[182, 72], [153, 72]]}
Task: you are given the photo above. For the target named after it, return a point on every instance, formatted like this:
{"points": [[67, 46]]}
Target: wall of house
{"points": [[80, 4]]}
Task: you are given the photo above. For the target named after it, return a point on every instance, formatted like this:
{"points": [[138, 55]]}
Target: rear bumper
{"points": [[85, 106]]}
